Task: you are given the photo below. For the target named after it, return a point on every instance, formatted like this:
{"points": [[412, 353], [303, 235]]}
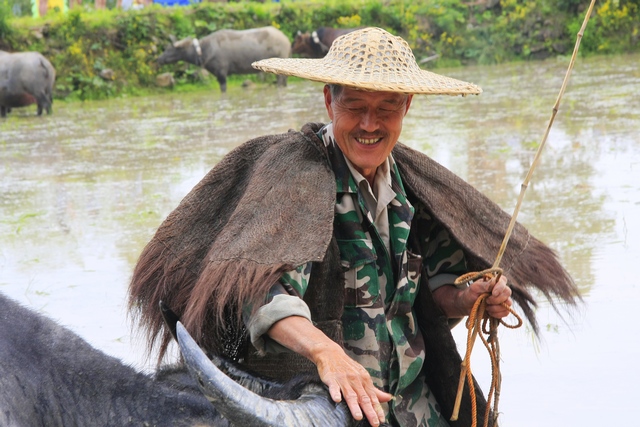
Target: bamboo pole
{"points": [[464, 367], [536, 159]]}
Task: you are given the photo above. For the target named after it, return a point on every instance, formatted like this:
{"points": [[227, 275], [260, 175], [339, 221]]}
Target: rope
{"points": [[479, 323]]}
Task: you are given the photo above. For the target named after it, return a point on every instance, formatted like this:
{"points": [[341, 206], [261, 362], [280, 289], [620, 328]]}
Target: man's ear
{"points": [[327, 101], [406, 109]]}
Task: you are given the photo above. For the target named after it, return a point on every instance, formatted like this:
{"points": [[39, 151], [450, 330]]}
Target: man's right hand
{"points": [[344, 376]]}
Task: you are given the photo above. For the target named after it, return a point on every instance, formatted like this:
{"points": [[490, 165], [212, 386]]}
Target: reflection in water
{"points": [[83, 190]]}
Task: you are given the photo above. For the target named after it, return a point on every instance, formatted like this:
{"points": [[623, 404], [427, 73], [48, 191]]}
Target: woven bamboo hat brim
{"points": [[369, 59]]}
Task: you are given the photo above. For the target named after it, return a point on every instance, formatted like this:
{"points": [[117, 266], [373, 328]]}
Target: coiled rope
{"points": [[479, 323]]}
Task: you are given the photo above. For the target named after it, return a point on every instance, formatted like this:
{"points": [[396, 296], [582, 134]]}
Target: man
{"points": [[364, 129], [342, 246]]}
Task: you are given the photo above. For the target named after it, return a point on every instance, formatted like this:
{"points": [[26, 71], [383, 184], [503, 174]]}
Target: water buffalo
{"points": [[49, 376], [25, 78], [317, 44], [227, 52]]}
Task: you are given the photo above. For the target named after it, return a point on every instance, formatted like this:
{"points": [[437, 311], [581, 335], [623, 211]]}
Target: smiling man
{"points": [[337, 249]]}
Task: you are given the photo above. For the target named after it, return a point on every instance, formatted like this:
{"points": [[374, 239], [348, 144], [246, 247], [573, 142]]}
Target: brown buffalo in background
{"points": [[317, 44]]}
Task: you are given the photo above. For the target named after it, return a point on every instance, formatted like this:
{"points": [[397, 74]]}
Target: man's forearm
{"points": [[301, 336]]}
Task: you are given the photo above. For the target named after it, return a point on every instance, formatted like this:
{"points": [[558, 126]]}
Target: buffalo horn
{"points": [[254, 383], [243, 407]]}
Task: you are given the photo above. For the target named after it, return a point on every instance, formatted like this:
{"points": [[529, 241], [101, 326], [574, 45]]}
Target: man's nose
{"points": [[369, 121]]}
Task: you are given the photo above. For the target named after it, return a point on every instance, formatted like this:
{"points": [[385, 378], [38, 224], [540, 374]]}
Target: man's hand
{"points": [[459, 302], [500, 293], [344, 376]]}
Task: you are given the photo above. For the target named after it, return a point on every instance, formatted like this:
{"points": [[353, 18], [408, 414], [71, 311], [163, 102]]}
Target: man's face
{"points": [[366, 125]]}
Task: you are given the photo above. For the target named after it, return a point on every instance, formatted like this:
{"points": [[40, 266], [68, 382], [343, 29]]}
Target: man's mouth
{"points": [[368, 141]]}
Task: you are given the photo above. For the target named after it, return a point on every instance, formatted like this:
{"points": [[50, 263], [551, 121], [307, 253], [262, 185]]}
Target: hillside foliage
{"points": [[84, 42]]}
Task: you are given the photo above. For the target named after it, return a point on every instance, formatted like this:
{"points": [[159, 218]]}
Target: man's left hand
{"points": [[459, 302], [500, 293]]}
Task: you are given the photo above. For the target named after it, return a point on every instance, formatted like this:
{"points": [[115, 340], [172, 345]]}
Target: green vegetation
{"points": [[6, 30], [84, 42]]}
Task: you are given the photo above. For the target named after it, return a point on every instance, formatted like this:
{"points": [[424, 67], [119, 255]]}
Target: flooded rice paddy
{"points": [[83, 190]]}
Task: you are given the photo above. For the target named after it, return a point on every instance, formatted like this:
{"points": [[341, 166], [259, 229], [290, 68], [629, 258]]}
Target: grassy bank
{"points": [[84, 43]]}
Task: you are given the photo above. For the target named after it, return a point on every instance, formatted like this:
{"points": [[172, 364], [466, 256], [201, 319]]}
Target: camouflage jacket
{"points": [[381, 282]]}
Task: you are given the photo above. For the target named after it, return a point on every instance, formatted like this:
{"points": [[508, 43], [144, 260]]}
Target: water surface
{"points": [[83, 190]]}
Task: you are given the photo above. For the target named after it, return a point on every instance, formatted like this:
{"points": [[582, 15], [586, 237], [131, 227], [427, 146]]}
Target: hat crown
{"points": [[371, 50]]}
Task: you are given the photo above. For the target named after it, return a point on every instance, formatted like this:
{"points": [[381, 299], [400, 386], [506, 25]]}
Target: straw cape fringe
{"points": [[479, 225], [242, 216], [268, 207]]}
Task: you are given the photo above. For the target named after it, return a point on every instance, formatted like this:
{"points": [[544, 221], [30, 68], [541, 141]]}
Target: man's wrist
{"points": [[451, 301], [318, 351]]}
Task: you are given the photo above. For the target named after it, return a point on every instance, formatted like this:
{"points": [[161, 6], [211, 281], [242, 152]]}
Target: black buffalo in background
{"points": [[49, 376], [317, 44]]}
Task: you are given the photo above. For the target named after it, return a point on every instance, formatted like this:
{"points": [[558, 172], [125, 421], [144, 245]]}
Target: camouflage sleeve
{"points": [[284, 300]]}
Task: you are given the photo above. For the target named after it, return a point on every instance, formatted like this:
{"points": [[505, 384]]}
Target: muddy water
{"points": [[83, 190]]}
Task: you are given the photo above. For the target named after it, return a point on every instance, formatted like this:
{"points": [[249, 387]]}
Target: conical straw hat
{"points": [[369, 59]]}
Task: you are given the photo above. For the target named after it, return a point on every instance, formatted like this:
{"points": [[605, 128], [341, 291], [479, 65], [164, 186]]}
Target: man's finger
{"points": [[334, 391], [354, 405], [369, 409]]}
